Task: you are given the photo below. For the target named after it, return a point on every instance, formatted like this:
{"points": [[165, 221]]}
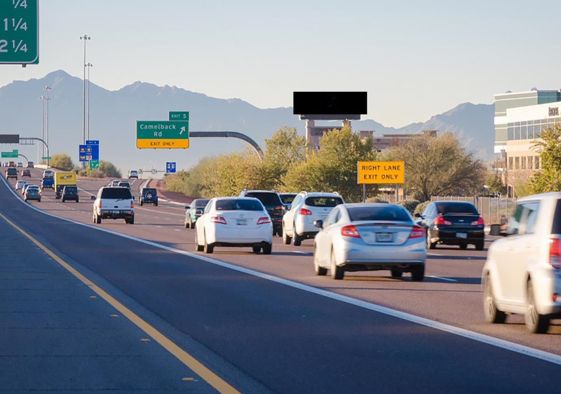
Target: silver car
{"points": [[365, 237]]}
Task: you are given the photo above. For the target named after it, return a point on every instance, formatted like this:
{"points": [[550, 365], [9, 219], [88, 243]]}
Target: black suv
{"points": [[11, 173], [148, 195], [70, 193], [273, 204]]}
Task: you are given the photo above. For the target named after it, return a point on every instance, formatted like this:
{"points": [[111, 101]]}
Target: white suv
{"points": [[133, 174], [522, 273], [114, 203], [306, 208]]}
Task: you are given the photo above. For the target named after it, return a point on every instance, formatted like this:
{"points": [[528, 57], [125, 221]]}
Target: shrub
{"points": [[421, 207], [410, 205], [376, 200]]}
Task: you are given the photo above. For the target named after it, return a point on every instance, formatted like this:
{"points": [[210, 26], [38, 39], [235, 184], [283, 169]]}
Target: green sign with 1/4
{"points": [[19, 32], [162, 129], [179, 115]]}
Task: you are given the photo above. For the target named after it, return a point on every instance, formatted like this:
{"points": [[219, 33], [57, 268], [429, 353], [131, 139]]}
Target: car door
{"points": [[323, 241], [288, 218], [201, 222]]}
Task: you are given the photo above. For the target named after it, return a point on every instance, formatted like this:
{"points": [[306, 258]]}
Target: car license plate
{"points": [[115, 212], [461, 235], [384, 237], [242, 222]]}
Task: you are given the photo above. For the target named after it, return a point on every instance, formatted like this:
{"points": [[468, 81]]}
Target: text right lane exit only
{"points": [[381, 172]]}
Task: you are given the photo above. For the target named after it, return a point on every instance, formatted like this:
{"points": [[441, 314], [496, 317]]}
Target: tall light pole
{"points": [[42, 98], [86, 38], [88, 66], [47, 88]]}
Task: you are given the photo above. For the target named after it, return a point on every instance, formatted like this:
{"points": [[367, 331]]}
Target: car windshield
{"points": [[235, 204], [323, 201], [201, 203], [267, 198], [287, 198], [456, 208], [386, 212], [116, 193]]}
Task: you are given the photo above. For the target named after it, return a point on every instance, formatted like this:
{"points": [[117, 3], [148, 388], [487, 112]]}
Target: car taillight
{"points": [[218, 219], [350, 231], [478, 222], [132, 204], [440, 221], [555, 252], [263, 220], [304, 211], [417, 232]]}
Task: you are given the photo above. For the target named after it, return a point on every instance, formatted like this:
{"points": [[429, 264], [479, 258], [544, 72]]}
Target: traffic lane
{"points": [[451, 292], [263, 327]]}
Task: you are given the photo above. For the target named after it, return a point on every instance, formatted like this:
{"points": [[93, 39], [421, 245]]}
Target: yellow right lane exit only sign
{"points": [[381, 172]]}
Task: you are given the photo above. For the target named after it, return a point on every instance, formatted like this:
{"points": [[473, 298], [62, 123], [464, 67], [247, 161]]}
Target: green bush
{"points": [[410, 205], [421, 207], [376, 200]]}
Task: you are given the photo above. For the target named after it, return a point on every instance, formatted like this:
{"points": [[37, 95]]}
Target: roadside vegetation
{"points": [[548, 177], [62, 161]]}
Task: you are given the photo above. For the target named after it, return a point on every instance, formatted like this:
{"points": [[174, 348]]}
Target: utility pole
{"points": [[86, 38], [88, 65]]}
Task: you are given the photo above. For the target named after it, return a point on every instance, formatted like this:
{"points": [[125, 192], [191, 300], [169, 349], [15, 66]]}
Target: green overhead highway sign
{"points": [[46, 158], [12, 154], [94, 164], [162, 134], [19, 32], [179, 115]]}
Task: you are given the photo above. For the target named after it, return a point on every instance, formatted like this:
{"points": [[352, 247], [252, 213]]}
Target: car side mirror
{"points": [[187, 207], [418, 215], [318, 223], [92, 197]]}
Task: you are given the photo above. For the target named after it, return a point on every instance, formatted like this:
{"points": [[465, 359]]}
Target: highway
{"points": [[264, 323]]}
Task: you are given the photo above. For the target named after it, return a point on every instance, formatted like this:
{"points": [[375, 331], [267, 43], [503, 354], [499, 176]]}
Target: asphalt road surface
{"points": [[268, 323]]}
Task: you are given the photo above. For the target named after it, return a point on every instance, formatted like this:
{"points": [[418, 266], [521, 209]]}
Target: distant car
{"points": [[194, 211], [234, 221], [133, 174], [124, 184], [298, 222], [12, 164], [32, 193], [365, 237], [30, 164], [148, 195], [26, 173], [113, 203], [48, 174], [26, 186], [287, 199], [452, 223], [11, 173], [20, 184], [114, 182], [47, 183], [20, 164], [6, 164], [522, 274], [272, 202], [70, 193]]}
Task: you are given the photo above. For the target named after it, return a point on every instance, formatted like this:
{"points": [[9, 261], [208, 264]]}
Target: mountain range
{"points": [[113, 116]]}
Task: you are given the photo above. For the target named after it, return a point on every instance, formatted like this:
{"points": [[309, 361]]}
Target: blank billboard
{"points": [[9, 138], [330, 103]]}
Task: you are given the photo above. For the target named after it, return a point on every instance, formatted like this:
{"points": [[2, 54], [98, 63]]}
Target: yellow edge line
{"points": [[189, 361]]}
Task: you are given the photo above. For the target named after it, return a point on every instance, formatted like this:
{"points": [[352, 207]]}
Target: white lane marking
{"points": [[434, 254], [462, 332], [158, 226], [442, 278], [305, 253], [176, 229]]}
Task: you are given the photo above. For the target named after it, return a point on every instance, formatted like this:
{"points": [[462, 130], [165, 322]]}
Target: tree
{"points": [[283, 150], [548, 178], [438, 165], [62, 161], [333, 167], [108, 169], [494, 183]]}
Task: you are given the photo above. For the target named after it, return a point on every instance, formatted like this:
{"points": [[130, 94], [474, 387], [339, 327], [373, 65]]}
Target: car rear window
{"points": [[71, 190], [323, 201], [235, 204], [201, 203], [288, 198], [12, 171], [266, 198], [153, 191], [116, 193], [456, 207], [556, 228], [387, 212]]}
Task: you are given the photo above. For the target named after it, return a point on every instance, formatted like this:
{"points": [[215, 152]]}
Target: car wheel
{"points": [[63, 200], [479, 245], [492, 314], [200, 248], [336, 271], [463, 246], [535, 323], [396, 273], [141, 203], [131, 220], [97, 219], [320, 271], [430, 245], [256, 249], [39, 200], [208, 248], [297, 238], [77, 200], [155, 204], [190, 223], [285, 238], [418, 273], [267, 248]]}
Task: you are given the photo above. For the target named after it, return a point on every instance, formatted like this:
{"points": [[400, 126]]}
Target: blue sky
{"points": [[414, 58]]}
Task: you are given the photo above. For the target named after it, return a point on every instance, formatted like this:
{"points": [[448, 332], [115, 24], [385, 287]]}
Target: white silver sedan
{"points": [[365, 237], [234, 221], [20, 184]]}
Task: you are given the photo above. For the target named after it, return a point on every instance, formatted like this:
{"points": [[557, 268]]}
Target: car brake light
{"points": [[263, 220], [555, 252], [478, 222], [417, 232], [132, 204], [218, 219], [350, 231], [304, 211], [440, 221]]}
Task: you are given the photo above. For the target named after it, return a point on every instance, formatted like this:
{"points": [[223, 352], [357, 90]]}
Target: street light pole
{"points": [[47, 88], [42, 98], [85, 38], [88, 65]]}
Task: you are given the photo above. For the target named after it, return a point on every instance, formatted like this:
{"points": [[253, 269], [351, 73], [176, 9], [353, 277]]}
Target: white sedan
{"points": [[20, 184], [234, 221], [367, 237]]}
